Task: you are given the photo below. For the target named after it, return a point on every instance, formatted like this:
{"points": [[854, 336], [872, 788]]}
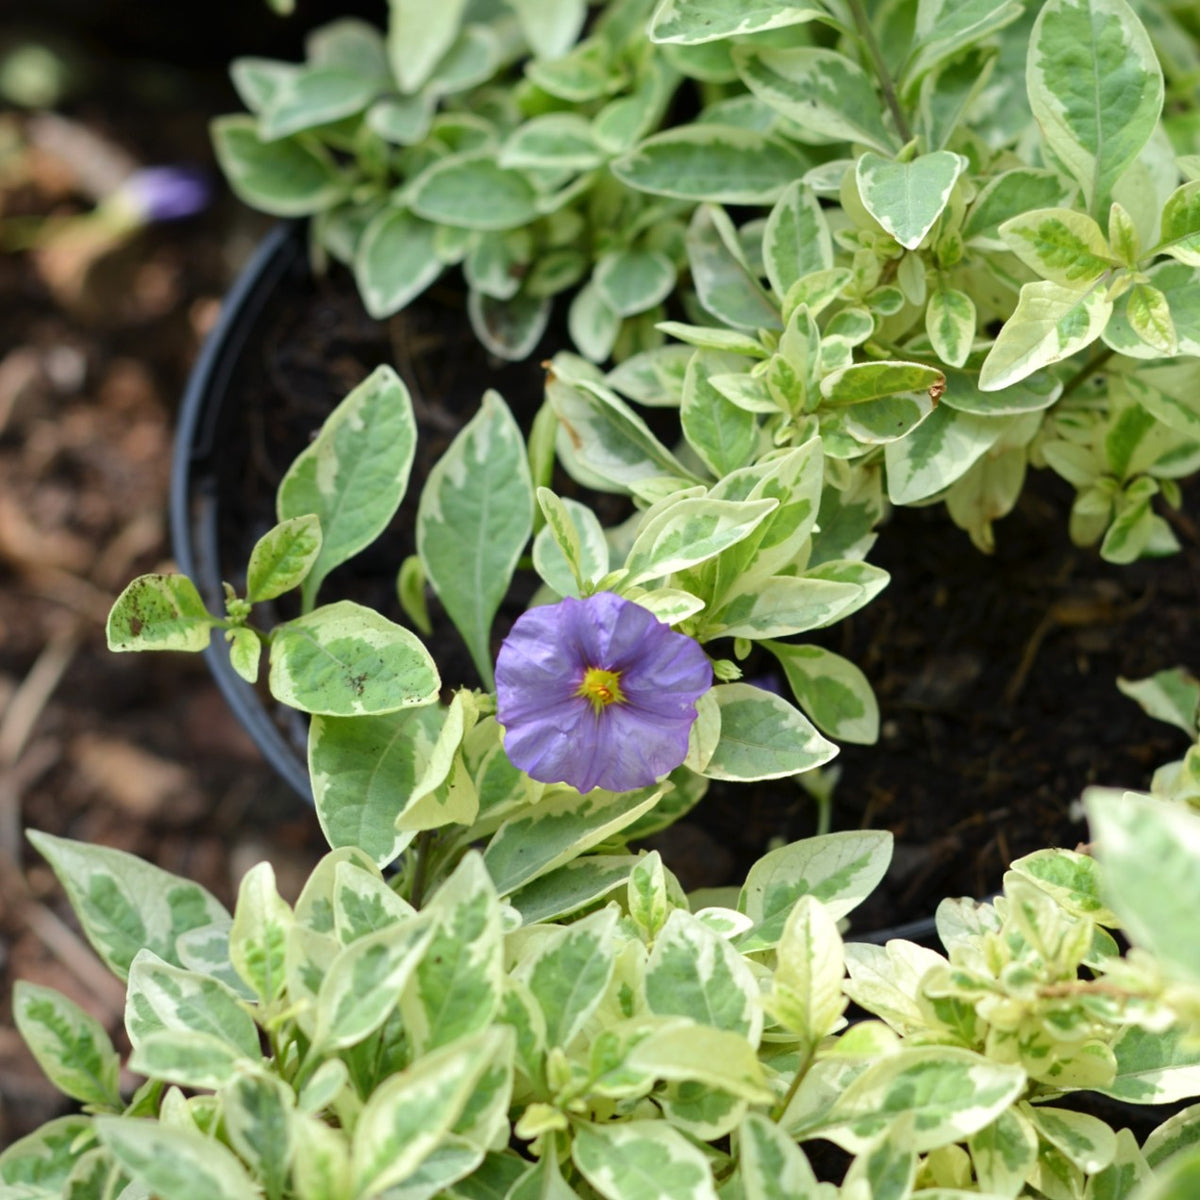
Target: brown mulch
{"points": [[135, 751]]}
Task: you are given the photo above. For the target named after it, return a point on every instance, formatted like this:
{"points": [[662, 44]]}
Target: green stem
{"points": [[778, 1111], [421, 867], [824, 814], [863, 25], [1090, 368]]}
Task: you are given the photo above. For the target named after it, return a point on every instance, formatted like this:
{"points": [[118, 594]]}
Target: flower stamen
{"points": [[601, 687]]}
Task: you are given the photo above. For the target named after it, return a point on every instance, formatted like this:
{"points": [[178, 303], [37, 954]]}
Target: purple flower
{"points": [[165, 193], [598, 693]]}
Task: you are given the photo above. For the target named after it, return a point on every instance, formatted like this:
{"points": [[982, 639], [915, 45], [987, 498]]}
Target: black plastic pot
{"points": [[206, 418], [204, 421]]}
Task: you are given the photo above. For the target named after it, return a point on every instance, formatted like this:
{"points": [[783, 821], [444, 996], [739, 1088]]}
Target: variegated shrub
{"points": [[582, 1030], [895, 252]]}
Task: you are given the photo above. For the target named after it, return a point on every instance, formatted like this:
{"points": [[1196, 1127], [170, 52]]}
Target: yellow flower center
{"points": [[601, 687]]}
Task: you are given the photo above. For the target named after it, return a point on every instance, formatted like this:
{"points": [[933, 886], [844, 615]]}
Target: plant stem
{"points": [[1085, 373], [777, 1113], [863, 25], [824, 814], [420, 867]]}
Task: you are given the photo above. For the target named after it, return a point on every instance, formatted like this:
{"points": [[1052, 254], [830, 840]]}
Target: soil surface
{"points": [[995, 675]]}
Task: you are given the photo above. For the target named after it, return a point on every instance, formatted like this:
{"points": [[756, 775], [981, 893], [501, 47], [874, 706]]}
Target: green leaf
{"points": [[693, 972], [906, 198], [944, 27], [1178, 1133], [940, 450], [354, 474], [261, 920], [472, 191], [159, 612], [1172, 696], [282, 557], [831, 690], [288, 178], [456, 988], [1149, 316], [259, 1115], [39, 1164], [363, 982], [725, 284], [558, 140], [245, 652], [125, 904], [418, 36], [950, 324], [763, 736], [1051, 322], [612, 443], [256, 80], [70, 1045], [1180, 285], [1073, 879], [685, 1053], [839, 869], [632, 281], [175, 1164], [401, 120], [712, 338], [165, 997], [690, 531], [1149, 851], [773, 1166], [1004, 1153], [719, 163], [1181, 225], [862, 382], [1009, 194], [950, 1093], [1084, 1140], [321, 1170], [395, 261], [1154, 1068], [551, 29], [571, 549], [1060, 244], [363, 903], [722, 433], [822, 92], [346, 660], [575, 885], [796, 239], [559, 829], [691, 22], [592, 323], [641, 1160], [1177, 1180], [510, 329], [364, 771], [782, 605], [474, 519], [316, 95], [568, 971], [806, 994], [1095, 88]]}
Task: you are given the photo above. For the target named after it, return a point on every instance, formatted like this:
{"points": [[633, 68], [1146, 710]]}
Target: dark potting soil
{"points": [[995, 675]]}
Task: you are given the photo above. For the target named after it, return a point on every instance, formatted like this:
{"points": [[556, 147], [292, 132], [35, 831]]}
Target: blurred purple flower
{"points": [[598, 693], [165, 193]]}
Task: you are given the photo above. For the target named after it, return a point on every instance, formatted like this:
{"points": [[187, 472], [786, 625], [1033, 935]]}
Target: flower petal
{"points": [[556, 735]]}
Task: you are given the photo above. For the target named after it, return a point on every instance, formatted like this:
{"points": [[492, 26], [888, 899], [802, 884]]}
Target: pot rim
{"points": [[193, 491]]}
